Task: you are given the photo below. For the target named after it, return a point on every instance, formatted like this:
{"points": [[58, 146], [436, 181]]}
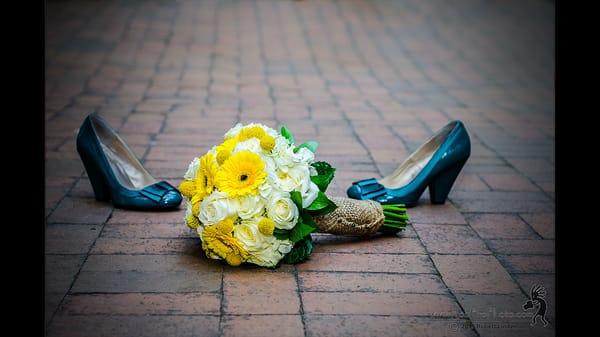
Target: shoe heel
{"points": [[440, 186], [101, 189]]}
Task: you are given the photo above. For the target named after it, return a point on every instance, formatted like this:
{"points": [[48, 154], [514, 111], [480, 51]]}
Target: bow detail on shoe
{"points": [[157, 191], [369, 188]]}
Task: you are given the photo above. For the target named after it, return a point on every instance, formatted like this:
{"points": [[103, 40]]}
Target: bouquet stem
{"points": [[396, 218]]}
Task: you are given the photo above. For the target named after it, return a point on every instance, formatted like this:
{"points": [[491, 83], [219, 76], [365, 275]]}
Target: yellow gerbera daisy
{"points": [[208, 170], [241, 174], [251, 132], [204, 182]]}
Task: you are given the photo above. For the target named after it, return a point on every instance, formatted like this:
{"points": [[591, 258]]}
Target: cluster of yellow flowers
{"points": [[238, 193]]}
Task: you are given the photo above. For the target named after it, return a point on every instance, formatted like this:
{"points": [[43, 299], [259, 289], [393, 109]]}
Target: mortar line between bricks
{"points": [[301, 302], [450, 291], [221, 302], [71, 102], [512, 278], [269, 314], [336, 101], [60, 303]]}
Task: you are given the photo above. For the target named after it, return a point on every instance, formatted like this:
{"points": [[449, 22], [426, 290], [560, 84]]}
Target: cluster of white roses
{"points": [[241, 192]]}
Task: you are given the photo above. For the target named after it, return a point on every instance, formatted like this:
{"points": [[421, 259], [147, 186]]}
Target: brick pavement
{"points": [[370, 80]]}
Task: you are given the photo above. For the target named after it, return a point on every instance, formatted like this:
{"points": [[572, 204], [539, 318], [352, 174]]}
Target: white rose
{"points": [[190, 174], [268, 257], [293, 178], [249, 206], [266, 189], [252, 145], [215, 208], [282, 210], [233, 131], [250, 237], [309, 195]]}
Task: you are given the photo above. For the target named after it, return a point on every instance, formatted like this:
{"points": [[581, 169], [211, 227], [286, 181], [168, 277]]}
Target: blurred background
{"points": [[369, 79]]}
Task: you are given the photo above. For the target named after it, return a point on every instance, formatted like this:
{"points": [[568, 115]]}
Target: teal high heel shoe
{"points": [[436, 164], [116, 174]]}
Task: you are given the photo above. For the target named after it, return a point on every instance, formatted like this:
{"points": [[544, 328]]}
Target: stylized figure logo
{"points": [[536, 301]]}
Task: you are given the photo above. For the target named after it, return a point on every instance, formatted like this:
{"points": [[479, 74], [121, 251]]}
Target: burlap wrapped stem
{"points": [[362, 218]]}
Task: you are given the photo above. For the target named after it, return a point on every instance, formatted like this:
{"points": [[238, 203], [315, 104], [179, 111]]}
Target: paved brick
{"points": [[52, 301], [436, 214], [70, 239], [132, 217], [470, 182], [148, 231], [542, 223], [542, 247], [447, 239], [60, 271], [260, 326], [383, 263], [379, 304], [134, 281], [478, 274], [501, 226], [380, 244], [528, 263], [501, 315], [158, 263], [502, 205], [366, 282], [125, 326], [61, 167], [141, 304], [508, 182], [277, 293], [366, 326], [147, 246], [80, 210]]}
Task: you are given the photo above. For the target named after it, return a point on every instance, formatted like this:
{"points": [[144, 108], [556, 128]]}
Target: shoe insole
{"points": [[127, 168], [414, 164]]}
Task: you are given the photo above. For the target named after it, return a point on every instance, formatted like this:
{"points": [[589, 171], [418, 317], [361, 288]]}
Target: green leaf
{"points": [[281, 234], [325, 175], [319, 203], [323, 168], [297, 199], [311, 145], [300, 231], [287, 134], [322, 182], [300, 252], [308, 219]]}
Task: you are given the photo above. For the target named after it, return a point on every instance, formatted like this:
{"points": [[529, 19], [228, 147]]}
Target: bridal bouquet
{"points": [[257, 196]]}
